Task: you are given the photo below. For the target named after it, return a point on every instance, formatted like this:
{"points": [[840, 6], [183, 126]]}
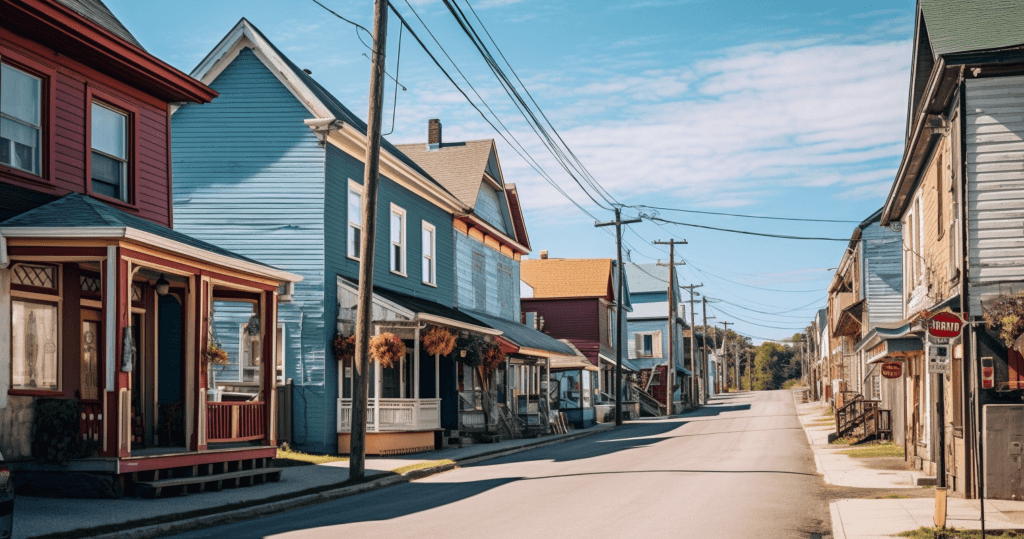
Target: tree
{"points": [[773, 365]]}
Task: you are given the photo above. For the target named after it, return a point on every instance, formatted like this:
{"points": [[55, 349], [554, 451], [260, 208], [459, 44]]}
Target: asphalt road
{"points": [[740, 467]]}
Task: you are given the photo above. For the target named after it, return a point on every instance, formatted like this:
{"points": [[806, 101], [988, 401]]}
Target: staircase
{"points": [[649, 406], [863, 419], [204, 477]]}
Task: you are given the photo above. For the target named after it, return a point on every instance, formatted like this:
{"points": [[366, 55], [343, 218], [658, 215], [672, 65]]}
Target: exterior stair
{"points": [[203, 477], [863, 419]]}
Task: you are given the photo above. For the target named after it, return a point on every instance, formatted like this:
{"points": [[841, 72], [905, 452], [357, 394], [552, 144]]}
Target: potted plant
{"points": [[1005, 314], [344, 348], [438, 341], [386, 349]]}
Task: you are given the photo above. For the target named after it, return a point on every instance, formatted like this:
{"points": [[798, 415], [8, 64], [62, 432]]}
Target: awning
{"points": [[892, 342], [409, 308], [529, 340], [571, 363], [626, 364], [850, 320]]}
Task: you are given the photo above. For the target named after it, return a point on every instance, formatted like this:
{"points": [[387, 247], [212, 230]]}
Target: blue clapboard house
{"points": [[273, 169]]}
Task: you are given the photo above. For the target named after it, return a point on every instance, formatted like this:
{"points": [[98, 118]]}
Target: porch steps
{"points": [[457, 439], [200, 478]]}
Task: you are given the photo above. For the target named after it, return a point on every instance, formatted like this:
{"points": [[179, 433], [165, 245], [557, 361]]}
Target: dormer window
{"points": [[20, 119]]}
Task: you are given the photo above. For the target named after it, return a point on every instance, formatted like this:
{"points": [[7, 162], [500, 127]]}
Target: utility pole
{"points": [[368, 214], [617, 223], [705, 379], [725, 353], [670, 367], [695, 371]]}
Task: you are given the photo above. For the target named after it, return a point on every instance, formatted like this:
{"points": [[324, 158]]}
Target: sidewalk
{"points": [[299, 485], [885, 518]]}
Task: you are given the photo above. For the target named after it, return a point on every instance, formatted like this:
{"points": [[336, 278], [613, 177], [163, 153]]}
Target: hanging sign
{"points": [[892, 370], [945, 326], [937, 352]]}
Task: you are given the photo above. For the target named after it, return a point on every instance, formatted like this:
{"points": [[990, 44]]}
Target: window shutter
{"points": [[638, 343], [656, 348]]}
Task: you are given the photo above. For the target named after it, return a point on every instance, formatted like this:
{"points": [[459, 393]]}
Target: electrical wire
{"points": [[780, 313], [747, 232], [724, 312], [357, 25], [746, 215], [398, 65], [694, 266]]}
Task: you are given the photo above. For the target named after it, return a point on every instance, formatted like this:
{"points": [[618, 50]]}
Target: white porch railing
{"points": [[394, 415]]}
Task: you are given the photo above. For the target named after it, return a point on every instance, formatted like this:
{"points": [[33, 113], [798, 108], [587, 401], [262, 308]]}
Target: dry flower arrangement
{"points": [[387, 349], [216, 355], [1006, 315], [344, 348], [438, 341]]}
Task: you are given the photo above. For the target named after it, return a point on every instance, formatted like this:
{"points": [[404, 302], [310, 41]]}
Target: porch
{"points": [[109, 321]]}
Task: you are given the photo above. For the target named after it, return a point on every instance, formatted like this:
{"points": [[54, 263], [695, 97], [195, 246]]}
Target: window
{"points": [[20, 119], [109, 152], [397, 240], [647, 344], [611, 327], [250, 350], [429, 254], [355, 218], [34, 345]]}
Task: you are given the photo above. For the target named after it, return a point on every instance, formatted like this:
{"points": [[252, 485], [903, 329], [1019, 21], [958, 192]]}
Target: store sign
{"points": [[892, 370], [945, 326]]}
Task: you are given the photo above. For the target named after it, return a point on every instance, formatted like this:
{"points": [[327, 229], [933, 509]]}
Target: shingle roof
{"points": [[95, 11], [76, 210], [973, 25], [568, 277], [646, 278], [524, 335], [458, 166]]}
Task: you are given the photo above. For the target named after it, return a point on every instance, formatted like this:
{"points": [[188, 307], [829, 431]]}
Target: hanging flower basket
{"points": [[470, 350], [387, 349], [492, 357], [438, 341], [1005, 314], [344, 348], [216, 355]]}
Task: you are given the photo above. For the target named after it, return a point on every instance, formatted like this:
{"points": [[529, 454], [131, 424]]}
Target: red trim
{"points": [[36, 392], [142, 464], [51, 22], [47, 117], [193, 269], [170, 177], [56, 251], [507, 346], [132, 112]]}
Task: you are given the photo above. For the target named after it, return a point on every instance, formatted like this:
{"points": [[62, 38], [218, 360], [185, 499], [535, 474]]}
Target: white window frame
{"points": [[431, 257], [403, 243], [280, 351], [354, 222], [611, 326], [244, 343], [38, 161]]}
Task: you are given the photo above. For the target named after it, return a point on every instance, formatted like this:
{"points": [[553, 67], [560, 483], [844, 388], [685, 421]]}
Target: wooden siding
{"points": [[576, 320], [995, 186], [883, 271], [249, 177], [490, 206], [64, 168], [341, 168], [227, 318], [492, 287]]}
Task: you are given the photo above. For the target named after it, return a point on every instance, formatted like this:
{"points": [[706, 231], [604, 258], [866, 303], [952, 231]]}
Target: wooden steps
{"points": [[206, 477]]}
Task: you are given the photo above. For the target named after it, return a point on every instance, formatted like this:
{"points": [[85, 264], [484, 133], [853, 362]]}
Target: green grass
{"points": [[793, 384], [875, 450], [892, 497], [298, 458], [842, 441], [929, 533], [422, 465]]}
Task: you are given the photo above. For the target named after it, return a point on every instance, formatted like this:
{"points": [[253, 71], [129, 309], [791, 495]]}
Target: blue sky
{"points": [[781, 108]]}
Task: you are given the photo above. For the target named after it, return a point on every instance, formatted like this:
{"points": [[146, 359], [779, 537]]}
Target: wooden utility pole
{"points": [[725, 354], [364, 316], [670, 367], [617, 223], [705, 379], [694, 370]]}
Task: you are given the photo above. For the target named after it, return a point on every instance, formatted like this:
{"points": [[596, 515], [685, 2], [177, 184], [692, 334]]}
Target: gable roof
{"points": [[78, 211], [518, 220], [308, 91], [459, 166], [97, 12], [569, 277], [956, 26], [646, 278]]}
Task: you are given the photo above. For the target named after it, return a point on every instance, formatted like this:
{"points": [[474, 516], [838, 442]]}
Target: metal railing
{"points": [[393, 415]]}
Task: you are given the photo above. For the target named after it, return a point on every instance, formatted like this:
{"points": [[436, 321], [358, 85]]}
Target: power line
{"points": [[723, 311], [780, 313], [747, 216], [747, 232], [750, 285]]}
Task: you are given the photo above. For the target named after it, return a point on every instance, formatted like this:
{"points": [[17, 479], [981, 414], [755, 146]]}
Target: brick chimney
{"points": [[434, 134], [543, 255]]}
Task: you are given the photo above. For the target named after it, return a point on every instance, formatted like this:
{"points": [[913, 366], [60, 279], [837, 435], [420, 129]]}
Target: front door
{"points": [[91, 341]]}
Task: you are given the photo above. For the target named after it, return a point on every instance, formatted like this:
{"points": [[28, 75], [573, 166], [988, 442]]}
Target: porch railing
{"points": [[235, 421], [90, 421], [393, 415]]}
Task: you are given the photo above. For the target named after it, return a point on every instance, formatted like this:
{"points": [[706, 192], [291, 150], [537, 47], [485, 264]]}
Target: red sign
{"points": [[892, 370], [945, 326]]}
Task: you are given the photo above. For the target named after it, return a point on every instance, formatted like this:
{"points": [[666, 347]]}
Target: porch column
{"points": [[268, 326], [437, 376], [416, 365], [378, 386], [203, 309], [116, 401]]}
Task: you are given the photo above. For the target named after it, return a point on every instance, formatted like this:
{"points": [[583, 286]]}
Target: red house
{"points": [[574, 299], [104, 342]]}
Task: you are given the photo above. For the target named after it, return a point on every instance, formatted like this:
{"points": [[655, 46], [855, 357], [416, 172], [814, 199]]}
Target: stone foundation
{"points": [[16, 421]]}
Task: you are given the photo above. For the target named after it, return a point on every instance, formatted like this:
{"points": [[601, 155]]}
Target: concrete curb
{"points": [[182, 522]]}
